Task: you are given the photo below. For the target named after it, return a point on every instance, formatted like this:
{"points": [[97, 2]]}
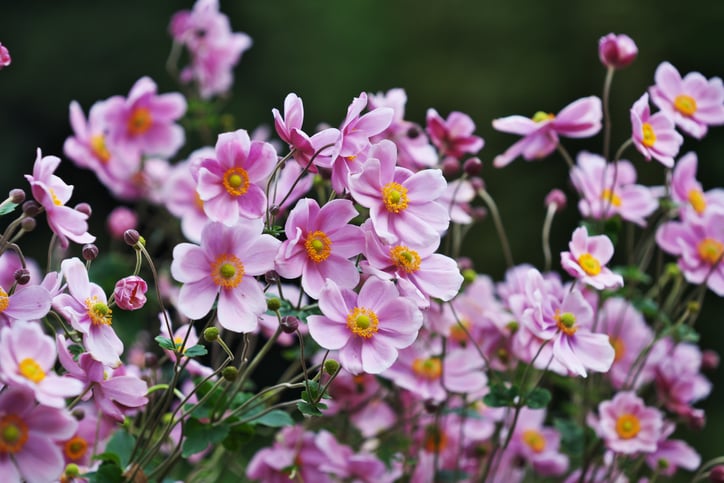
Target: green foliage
{"points": [[7, 207], [538, 398], [199, 435], [501, 396]]}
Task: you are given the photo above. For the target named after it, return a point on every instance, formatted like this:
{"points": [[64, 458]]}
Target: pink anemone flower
{"points": [[654, 135], [29, 303], [368, 329], [587, 259], [688, 192], [453, 136], [627, 425]]}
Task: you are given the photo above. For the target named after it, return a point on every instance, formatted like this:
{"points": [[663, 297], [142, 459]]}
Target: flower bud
{"points": [[273, 304], [709, 360], [84, 208], [717, 474], [31, 208], [89, 252], [274, 210], [469, 275], [5, 58], [71, 470], [150, 360], [28, 224], [271, 277], [413, 132], [17, 196], [450, 167], [477, 183], [121, 219], [78, 414], [617, 51], [211, 334], [131, 237], [289, 324], [473, 166], [331, 367], [230, 373], [130, 292], [22, 276], [556, 197], [465, 263]]}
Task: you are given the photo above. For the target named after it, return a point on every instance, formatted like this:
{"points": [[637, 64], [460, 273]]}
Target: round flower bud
{"points": [[469, 275], [211, 334], [22, 276], [84, 208], [31, 208], [121, 219], [473, 166], [131, 237], [617, 51], [130, 292], [289, 324], [273, 304], [89, 252], [17, 196], [28, 224], [78, 414], [450, 167], [72, 470], [556, 197], [465, 263], [271, 277], [230, 373], [331, 367], [717, 474], [709, 360], [413, 132], [274, 210]]}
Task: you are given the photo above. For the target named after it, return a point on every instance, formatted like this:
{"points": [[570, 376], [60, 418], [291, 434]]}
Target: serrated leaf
{"points": [[7, 207], [196, 351], [274, 419], [538, 398], [165, 342], [198, 436]]}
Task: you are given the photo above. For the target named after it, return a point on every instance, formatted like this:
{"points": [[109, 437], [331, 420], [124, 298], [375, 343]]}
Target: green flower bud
{"points": [[331, 366], [273, 304], [230, 373], [211, 334]]}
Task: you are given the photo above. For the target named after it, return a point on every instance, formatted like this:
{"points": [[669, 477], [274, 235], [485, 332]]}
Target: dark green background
{"points": [[488, 59]]}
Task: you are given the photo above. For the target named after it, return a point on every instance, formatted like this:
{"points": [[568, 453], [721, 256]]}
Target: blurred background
{"points": [[487, 59]]}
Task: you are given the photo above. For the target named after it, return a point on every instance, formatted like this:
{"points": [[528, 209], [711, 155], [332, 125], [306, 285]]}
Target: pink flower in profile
{"points": [[453, 136], [319, 245], [229, 185], [587, 259], [292, 119], [580, 119], [627, 425], [130, 293], [694, 103], [5, 58], [53, 193], [368, 329], [402, 204], [225, 265], [617, 51], [29, 438], [29, 303], [27, 359], [86, 307], [655, 135], [687, 190], [145, 122]]}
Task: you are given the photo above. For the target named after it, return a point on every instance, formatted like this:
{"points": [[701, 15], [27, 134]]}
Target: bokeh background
{"points": [[488, 59]]}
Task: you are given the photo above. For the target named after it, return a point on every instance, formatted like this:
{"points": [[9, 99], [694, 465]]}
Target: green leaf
{"points": [[571, 436], [196, 351], [108, 472], [308, 409], [538, 398], [501, 396], [165, 342], [239, 435], [198, 436], [121, 444], [685, 333], [274, 419], [451, 476], [632, 273], [7, 207]]}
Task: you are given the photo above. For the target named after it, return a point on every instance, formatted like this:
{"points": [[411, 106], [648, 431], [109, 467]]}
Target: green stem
{"points": [[498, 226]]}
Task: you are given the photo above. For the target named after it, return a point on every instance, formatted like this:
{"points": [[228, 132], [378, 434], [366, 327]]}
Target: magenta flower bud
{"points": [[4, 56], [709, 360], [130, 292], [479, 213], [131, 237], [556, 197], [84, 208], [617, 51], [289, 324], [473, 166], [478, 183], [120, 220], [22, 276], [465, 263], [17, 196], [450, 167], [28, 224], [31, 208], [717, 474], [89, 252]]}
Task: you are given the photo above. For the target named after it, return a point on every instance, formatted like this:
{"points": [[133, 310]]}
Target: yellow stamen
{"points": [[362, 322], [31, 370], [54, 197], [13, 433], [318, 246], [627, 426], [236, 181], [710, 250], [140, 121], [648, 135], [227, 271], [619, 347], [534, 439], [686, 105], [566, 322], [4, 300], [611, 197], [394, 196], [541, 116], [589, 264], [99, 312], [696, 198], [435, 440], [430, 368], [99, 148], [405, 259]]}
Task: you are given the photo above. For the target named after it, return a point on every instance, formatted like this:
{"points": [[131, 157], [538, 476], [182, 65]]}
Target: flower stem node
{"points": [[331, 367], [230, 373], [289, 324], [273, 304], [211, 334]]}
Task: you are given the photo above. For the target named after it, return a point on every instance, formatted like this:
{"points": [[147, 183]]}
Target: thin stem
{"points": [[498, 226], [547, 223], [606, 112]]}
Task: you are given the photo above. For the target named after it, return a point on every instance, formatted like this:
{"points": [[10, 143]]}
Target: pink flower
{"points": [[30, 437], [654, 135], [29, 303], [225, 265], [367, 329], [537, 444], [580, 119], [627, 425], [694, 103], [609, 189], [587, 259], [402, 204], [687, 190], [144, 122], [121, 219], [53, 193], [291, 184], [617, 51], [453, 136], [319, 245], [86, 307], [345, 464], [229, 184], [292, 119], [27, 359], [5, 59], [457, 198], [130, 293], [182, 199], [675, 453]]}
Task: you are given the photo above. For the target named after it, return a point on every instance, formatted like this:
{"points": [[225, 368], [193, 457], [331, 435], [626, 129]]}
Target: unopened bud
{"points": [[672, 269], [413, 132], [273, 304], [289, 324], [556, 197], [450, 167], [271, 277], [211, 334], [17, 196], [693, 306], [89, 252], [473, 166], [479, 213], [28, 224], [617, 51], [465, 263], [78, 414], [72, 470], [230, 373], [331, 367], [84, 208], [709, 360], [274, 210], [150, 360], [131, 237], [31, 208], [717, 474], [469, 275], [22, 276], [663, 463]]}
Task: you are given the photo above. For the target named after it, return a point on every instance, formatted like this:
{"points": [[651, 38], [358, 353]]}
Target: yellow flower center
{"points": [[318, 246], [619, 347], [610, 197], [99, 148], [54, 198], [696, 198], [405, 259], [227, 271], [627, 426], [534, 439], [541, 116], [566, 322], [198, 202], [648, 134], [99, 312], [430, 368], [589, 264], [140, 121], [4, 300], [236, 181], [31, 370], [362, 322], [686, 105], [13, 433], [710, 250], [75, 448], [178, 341], [394, 196], [435, 440], [457, 333]]}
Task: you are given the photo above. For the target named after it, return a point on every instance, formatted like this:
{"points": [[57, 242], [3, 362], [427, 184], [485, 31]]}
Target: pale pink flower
{"points": [[53, 193], [672, 454], [580, 119], [687, 190], [627, 425], [457, 198], [368, 329], [538, 445], [225, 265], [694, 103], [345, 464], [617, 51], [403, 205], [654, 135], [130, 293], [230, 184], [182, 199], [453, 136], [320, 244], [587, 258], [29, 303]]}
